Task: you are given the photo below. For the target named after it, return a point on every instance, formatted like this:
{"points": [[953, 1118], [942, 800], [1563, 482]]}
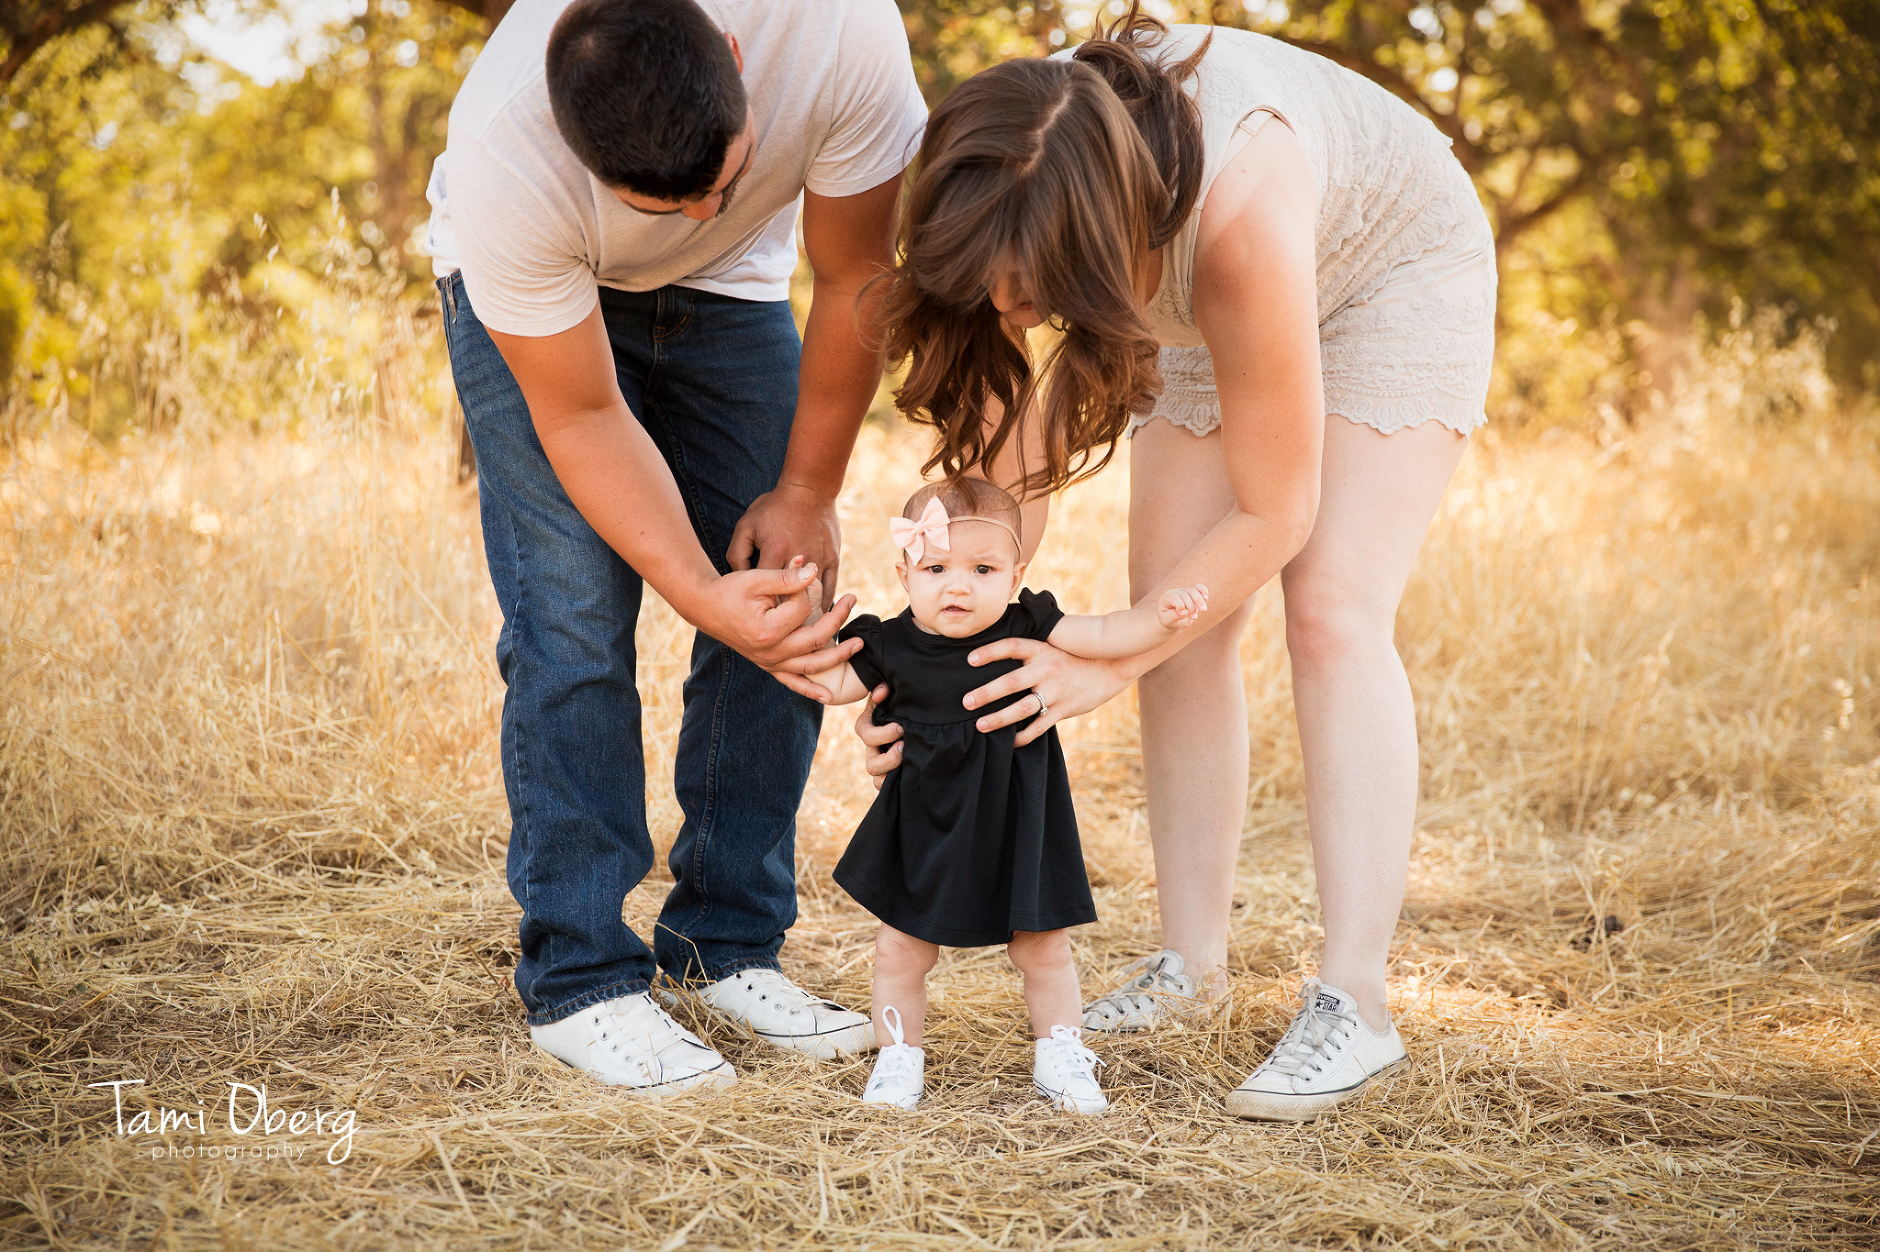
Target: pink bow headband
{"points": [[912, 537]]}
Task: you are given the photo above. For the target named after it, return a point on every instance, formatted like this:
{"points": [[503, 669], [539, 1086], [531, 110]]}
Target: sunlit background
{"points": [[252, 825]]}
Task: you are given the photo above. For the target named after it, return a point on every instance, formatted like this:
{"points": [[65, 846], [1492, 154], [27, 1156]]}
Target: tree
{"points": [[1715, 148]]}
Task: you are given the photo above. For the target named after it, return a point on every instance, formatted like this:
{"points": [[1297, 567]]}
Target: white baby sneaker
{"points": [[1159, 993], [900, 1070], [1328, 1054], [780, 1012], [631, 1042], [1064, 1072]]}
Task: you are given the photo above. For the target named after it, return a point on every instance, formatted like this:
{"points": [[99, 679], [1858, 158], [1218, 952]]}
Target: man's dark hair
{"points": [[646, 93]]}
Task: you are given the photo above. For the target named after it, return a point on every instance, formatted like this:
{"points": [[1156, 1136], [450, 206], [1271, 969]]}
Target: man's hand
{"points": [[784, 525], [768, 617]]}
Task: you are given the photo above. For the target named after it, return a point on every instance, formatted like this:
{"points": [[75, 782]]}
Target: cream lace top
{"points": [[1390, 192]]}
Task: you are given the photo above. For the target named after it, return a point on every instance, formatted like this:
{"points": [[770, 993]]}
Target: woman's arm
{"points": [[1256, 304]]}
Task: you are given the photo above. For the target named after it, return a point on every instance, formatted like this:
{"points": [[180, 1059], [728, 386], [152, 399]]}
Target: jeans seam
{"points": [[660, 332], [522, 811], [681, 473], [708, 812]]}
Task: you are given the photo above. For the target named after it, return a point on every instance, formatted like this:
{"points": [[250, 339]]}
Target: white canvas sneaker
{"points": [[631, 1042], [1328, 1054], [1064, 1072], [900, 1071], [780, 1012], [1157, 994]]}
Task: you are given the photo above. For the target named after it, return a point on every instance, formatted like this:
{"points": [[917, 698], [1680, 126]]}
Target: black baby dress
{"points": [[972, 838]]}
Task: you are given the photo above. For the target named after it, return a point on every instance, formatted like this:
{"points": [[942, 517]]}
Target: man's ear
{"points": [[737, 53]]}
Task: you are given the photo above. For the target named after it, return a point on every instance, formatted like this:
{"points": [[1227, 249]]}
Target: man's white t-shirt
{"points": [[835, 107]]}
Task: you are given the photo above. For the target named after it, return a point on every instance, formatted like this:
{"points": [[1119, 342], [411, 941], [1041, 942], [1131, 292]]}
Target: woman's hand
{"points": [[884, 742], [1063, 685]]}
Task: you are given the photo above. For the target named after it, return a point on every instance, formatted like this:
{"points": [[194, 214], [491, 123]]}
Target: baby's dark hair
{"points": [[968, 497]]}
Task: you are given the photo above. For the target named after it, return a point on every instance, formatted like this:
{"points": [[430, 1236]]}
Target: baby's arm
{"points": [[1131, 632], [842, 684], [840, 681]]}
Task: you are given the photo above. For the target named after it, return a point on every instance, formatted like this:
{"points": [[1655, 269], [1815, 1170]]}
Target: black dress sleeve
{"points": [[1040, 614], [870, 663]]}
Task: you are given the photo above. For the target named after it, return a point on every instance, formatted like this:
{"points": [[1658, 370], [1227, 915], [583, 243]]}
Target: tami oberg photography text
{"points": [[245, 1101]]}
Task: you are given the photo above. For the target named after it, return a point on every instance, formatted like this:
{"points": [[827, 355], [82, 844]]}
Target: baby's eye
{"points": [[982, 569], [936, 569]]}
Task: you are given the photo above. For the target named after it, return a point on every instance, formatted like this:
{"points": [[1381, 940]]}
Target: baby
{"points": [[973, 842]]}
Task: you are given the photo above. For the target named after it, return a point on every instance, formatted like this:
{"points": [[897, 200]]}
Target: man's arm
{"points": [[616, 478], [849, 239]]}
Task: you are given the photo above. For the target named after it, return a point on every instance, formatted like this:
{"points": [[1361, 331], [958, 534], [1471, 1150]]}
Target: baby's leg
{"points": [[901, 965], [1044, 957]]}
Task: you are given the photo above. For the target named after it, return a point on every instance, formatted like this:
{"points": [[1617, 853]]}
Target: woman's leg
{"points": [[1357, 727], [1044, 958], [1194, 705], [902, 963]]}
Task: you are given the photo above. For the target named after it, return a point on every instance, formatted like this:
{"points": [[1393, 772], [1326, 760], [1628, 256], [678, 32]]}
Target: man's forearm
{"points": [[837, 383], [614, 475]]}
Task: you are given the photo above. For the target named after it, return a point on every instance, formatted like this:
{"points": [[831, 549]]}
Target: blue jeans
{"points": [[713, 381]]}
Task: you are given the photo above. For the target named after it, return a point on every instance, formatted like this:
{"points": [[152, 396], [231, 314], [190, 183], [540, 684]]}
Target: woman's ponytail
{"points": [[1164, 114]]}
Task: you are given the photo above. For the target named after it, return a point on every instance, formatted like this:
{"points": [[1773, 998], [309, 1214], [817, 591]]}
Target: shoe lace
{"points": [[1308, 1042], [1064, 1051], [1139, 995], [899, 1060], [637, 1017], [777, 989]]}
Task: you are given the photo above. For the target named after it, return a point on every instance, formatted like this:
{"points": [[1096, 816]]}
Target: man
{"points": [[613, 228]]}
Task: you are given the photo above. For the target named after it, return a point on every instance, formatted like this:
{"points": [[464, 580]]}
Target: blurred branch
{"points": [[1511, 226], [1467, 151], [28, 27], [490, 11]]}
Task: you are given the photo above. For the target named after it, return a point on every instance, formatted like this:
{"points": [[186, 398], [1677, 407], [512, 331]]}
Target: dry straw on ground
{"points": [[253, 832]]}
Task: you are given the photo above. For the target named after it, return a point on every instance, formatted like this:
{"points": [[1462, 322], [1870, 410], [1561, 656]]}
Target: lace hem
{"points": [[1385, 418]]}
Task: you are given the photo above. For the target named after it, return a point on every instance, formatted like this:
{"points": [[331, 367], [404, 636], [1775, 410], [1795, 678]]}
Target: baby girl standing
{"points": [[973, 841]]}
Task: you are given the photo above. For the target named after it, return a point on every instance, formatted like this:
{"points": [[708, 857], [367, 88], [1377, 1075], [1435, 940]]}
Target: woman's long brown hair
{"points": [[1070, 172]]}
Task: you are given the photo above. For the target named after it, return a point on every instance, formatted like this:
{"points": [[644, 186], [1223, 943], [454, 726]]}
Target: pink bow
{"points": [[912, 537]]}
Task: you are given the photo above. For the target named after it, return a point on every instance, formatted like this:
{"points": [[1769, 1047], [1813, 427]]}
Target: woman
{"points": [[1276, 279]]}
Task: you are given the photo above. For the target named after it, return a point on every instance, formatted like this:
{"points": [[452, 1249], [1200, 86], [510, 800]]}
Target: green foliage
{"points": [[1647, 163], [1700, 151], [149, 196]]}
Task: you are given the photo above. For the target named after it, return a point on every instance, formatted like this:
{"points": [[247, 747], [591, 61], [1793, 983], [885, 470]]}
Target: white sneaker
{"points": [[780, 1012], [900, 1071], [1064, 1072], [1154, 996], [631, 1042], [1327, 1055]]}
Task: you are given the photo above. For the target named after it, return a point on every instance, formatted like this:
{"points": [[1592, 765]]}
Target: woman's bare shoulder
{"points": [[1265, 196]]}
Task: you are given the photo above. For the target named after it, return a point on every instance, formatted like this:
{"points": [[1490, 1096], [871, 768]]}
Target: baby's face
{"points": [[963, 591]]}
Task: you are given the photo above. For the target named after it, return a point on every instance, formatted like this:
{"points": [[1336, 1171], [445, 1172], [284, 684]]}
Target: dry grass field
{"points": [[253, 832]]}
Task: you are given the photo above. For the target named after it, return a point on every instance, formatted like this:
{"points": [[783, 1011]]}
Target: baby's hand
{"points": [[812, 592], [1181, 607]]}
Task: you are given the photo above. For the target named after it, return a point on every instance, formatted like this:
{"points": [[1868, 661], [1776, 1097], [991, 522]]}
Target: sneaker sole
{"points": [[853, 1040], [1068, 1104], [1271, 1106], [716, 1079]]}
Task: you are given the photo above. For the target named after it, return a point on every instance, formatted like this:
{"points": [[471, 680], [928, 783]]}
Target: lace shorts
{"points": [[1419, 348]]}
